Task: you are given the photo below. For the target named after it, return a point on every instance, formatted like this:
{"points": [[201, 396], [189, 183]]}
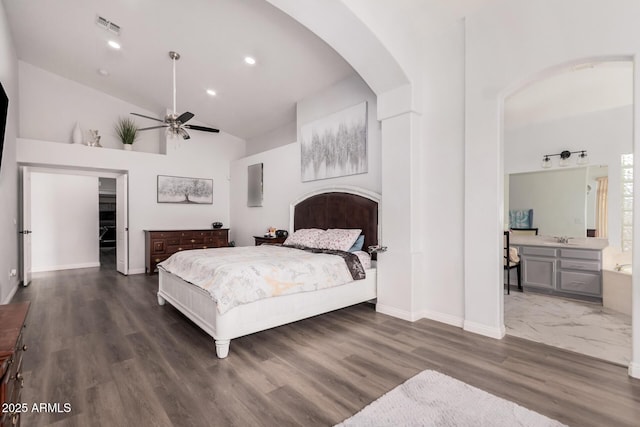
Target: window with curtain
{"points": [[627, 202]]}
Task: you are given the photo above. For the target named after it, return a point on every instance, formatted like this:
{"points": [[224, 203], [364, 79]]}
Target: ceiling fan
{"points": [[176, 124]]}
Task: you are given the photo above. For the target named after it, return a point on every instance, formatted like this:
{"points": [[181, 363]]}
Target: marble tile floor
{"points": [[583, 327]]}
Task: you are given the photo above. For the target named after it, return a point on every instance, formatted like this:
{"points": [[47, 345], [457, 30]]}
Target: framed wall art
{"points": [[335, 145], [175, 189]]}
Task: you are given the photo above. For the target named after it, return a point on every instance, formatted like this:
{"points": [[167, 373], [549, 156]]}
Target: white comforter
{"points": [[234, 276]]}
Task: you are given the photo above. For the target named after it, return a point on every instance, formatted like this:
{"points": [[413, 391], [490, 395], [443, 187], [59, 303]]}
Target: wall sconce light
{"points": [[583, 158]]}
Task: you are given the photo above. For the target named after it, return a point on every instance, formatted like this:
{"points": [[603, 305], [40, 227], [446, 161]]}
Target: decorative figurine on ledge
{"points": [[94, 138]]}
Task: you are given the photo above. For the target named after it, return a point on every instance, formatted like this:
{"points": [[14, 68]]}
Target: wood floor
{"points": [[99, 341]]}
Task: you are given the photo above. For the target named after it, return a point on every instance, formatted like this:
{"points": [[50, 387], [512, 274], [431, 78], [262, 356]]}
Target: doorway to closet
{"points": [[75, 218]]}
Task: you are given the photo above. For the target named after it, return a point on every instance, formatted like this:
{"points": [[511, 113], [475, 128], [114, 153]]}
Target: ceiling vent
{"points": [[108, 25]]}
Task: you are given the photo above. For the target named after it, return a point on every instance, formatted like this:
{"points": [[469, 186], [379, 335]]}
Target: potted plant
{"points": [[127, 131]]}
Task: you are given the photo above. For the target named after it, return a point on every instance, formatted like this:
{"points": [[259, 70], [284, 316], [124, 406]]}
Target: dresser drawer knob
{"points": [[157, 259], [20, 378], [193, 241], [179, 249]]}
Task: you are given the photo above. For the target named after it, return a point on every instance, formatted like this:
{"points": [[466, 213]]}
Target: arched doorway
{"points": [[586, 104]]}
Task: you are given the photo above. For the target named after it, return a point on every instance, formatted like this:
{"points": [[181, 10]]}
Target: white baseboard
{"points": [[66, 267], [634, 370], [443, 318], [9, 297], [424, 314], [396, 312], [487, 331]]}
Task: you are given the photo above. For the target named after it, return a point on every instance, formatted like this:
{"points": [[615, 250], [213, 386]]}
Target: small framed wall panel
{"points": [[254, 185]]}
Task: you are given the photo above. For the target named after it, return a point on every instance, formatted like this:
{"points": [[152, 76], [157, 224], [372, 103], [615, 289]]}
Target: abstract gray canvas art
{"points": [[174, 189], [335, 145]]}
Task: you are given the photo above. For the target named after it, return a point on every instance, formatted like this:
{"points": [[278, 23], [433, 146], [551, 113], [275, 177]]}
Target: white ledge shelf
{"points": [[47, 153]]}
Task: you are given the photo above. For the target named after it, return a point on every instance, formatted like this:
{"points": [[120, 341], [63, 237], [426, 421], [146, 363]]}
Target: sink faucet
{"points": [[562, 239], [619, 267]]}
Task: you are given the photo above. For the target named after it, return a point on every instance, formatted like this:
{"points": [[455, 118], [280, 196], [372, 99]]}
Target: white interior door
{"points": [[122, 225], [25, 226]]}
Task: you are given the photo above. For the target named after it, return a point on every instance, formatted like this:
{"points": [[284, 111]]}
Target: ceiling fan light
{"points": [[183, 133], [249, 60]]}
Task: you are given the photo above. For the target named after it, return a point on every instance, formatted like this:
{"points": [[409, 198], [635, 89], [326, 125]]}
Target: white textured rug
{"points": [[434, 399]]}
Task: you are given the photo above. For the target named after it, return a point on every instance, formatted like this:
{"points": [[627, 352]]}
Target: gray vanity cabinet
{"points": [[538, 267], [580, 271], [562, 271]]}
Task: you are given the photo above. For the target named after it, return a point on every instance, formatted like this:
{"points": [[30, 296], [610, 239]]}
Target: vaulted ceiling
{"points": [[212, 36]]}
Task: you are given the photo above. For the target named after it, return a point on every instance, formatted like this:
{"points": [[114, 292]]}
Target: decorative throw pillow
{"points": [[304, 237], [337, 238], [357, 246]]}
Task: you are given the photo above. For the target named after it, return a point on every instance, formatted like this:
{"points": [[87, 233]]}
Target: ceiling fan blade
{"points": [[154, 127], [147, 117], [185, 117], [202, 128]]}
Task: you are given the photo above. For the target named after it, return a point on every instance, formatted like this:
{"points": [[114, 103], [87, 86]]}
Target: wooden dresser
{"points": [[161, 244], [12, 318]]}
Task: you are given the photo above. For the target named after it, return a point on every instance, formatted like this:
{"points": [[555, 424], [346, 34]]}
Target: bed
{"points": [[344, 208]]}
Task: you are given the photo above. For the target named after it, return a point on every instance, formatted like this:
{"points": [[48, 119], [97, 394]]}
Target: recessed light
{"points": [[103, 72], [249, 60], [211, 92], [114, 44]]}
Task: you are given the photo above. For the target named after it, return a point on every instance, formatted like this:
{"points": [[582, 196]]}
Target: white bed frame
{"points": [[197, 304]]}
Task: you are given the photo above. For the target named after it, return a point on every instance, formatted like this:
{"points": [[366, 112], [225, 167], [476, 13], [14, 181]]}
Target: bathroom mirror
{"points": [[254, 185], [565, 202]]}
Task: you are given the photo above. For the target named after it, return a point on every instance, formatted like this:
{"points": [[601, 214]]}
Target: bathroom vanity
{"points": [[571, 269]]}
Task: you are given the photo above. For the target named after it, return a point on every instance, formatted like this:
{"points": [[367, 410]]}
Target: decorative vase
{"points": [[128, 147], [76, 135]]}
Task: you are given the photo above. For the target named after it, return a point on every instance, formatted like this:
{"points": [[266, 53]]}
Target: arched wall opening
{"points": [[504, 48], [539, 115], [339, 27]]}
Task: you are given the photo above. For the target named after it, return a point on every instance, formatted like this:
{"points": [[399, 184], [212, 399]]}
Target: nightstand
{"points": [[262, 240]]}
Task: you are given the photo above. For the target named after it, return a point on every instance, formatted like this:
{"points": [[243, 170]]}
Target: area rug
{"points": [[434, 399]]}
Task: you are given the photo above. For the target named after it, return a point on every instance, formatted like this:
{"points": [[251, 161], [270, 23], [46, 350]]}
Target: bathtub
{"points": [[616, 289]]}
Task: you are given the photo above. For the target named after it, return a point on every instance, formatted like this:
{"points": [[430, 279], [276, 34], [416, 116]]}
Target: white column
{"points": [[399, 269]]}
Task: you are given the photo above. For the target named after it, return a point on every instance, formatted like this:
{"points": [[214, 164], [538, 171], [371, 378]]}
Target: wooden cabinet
{"points": [[161, 244], [262, 240], [12, 347], [567, 272]]}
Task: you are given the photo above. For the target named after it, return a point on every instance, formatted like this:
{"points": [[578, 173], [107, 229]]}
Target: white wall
{"points": [[606, 134], [275, 138], [281, 173], [205, 155], [505, 48], [8, 170], [50, 106], [64, 221], [557, 197]]}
